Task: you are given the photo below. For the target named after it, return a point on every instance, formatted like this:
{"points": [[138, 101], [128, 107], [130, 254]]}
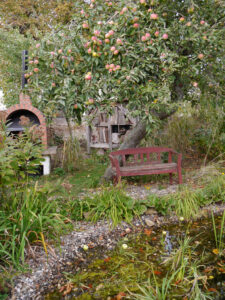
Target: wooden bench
{"points": [[145, 161]]}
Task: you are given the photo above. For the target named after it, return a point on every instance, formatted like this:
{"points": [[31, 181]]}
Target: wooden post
{"points": [[110, 136], [88, 131]]}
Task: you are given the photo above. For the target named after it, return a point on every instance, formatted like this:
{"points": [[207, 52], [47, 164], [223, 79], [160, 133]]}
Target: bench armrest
{"points": [[179, 156], [115, 163]]}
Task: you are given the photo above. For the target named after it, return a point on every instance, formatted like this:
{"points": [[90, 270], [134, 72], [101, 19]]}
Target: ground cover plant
{"points": [[112, 203]]}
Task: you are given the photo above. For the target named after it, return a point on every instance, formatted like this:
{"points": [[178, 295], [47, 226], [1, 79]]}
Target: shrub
{"points": [[162, 204], [20, 157], [26, 214]]}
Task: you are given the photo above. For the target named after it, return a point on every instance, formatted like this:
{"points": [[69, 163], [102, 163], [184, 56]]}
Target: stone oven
{"points": [[25, 109]]}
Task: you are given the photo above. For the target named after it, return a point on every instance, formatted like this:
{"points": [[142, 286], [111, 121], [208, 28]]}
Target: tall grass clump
{"points": [[220, 234], [111, 204], [70, 154], [31, 218], [187, 202]]}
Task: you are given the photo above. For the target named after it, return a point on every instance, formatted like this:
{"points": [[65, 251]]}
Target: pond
{"points": [[181, 261]]}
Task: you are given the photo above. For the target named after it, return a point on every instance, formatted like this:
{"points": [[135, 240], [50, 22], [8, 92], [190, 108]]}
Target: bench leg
{"points": [[116, 179], [171, 178], [180, 176]]}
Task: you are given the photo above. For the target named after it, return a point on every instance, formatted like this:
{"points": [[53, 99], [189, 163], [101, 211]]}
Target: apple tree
{"points": [[150, 54]]}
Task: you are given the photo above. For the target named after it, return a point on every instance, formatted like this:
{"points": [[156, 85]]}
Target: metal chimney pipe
{"points": [[24, 68]]}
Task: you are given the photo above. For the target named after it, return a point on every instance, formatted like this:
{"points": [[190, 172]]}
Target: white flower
{"points": [[164, 232], [124, 246], [181, 219]]}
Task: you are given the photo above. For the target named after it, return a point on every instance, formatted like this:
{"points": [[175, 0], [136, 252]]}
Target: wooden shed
{"points": [[108, 131]]}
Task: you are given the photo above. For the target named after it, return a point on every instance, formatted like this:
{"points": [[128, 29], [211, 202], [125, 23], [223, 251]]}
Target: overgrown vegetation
{"points": [[195, 131], [26, 214], [187, 202]]}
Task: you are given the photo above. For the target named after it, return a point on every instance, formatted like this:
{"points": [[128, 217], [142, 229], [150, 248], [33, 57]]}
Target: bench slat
{"points": [[164, 166]]}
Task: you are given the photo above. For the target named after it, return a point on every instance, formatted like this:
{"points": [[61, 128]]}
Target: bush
{"points": [[163, 205], [199, 130], [26, 214], [20, 157]]}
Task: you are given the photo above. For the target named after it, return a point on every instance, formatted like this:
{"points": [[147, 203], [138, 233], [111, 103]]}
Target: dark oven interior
{"points": [[15, 122]]}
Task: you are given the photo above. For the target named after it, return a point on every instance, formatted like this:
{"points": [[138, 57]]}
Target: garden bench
{"points": [[145, 161]]}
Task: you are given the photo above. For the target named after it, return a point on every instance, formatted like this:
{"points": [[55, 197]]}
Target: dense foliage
{"points": [[19, 158], [11, 45], [26, 214], [149, 54], [32, 16]]}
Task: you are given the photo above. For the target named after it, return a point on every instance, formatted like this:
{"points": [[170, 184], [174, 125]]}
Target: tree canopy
{"points": [[150, 54]]}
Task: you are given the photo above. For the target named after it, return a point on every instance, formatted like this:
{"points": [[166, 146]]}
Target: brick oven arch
{"points": [[25, 104]]}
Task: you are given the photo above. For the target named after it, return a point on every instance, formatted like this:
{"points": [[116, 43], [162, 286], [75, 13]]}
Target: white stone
{"points": [[46, 165], [149, 223], [2, 106]]}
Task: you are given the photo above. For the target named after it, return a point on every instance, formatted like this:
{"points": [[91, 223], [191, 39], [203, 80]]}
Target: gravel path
{"points": [[46, 273]]}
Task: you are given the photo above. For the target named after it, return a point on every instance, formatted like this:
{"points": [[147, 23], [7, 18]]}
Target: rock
{"points": [[101, 152], [87, 215], [149, 223], [151, 211], [99, 287]]}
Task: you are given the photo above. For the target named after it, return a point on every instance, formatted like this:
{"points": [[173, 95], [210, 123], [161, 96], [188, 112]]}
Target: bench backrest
{"points": [[141, 155]]}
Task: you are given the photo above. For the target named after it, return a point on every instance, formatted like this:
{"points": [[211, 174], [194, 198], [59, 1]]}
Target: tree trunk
{"points": [[132, 141], [69, 127]]}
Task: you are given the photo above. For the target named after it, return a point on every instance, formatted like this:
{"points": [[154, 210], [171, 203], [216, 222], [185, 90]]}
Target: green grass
{"points": [[87, 176]]}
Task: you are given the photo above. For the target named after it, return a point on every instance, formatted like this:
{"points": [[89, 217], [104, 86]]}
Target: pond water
{"points": [[181, 261]]}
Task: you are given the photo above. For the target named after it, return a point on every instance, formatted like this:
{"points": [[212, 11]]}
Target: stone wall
{"points": [[60, 128]]}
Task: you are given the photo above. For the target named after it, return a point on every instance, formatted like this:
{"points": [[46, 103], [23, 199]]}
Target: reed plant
{"points": [[180, 258], [219, 235], [70, 154], [155, 289]]}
